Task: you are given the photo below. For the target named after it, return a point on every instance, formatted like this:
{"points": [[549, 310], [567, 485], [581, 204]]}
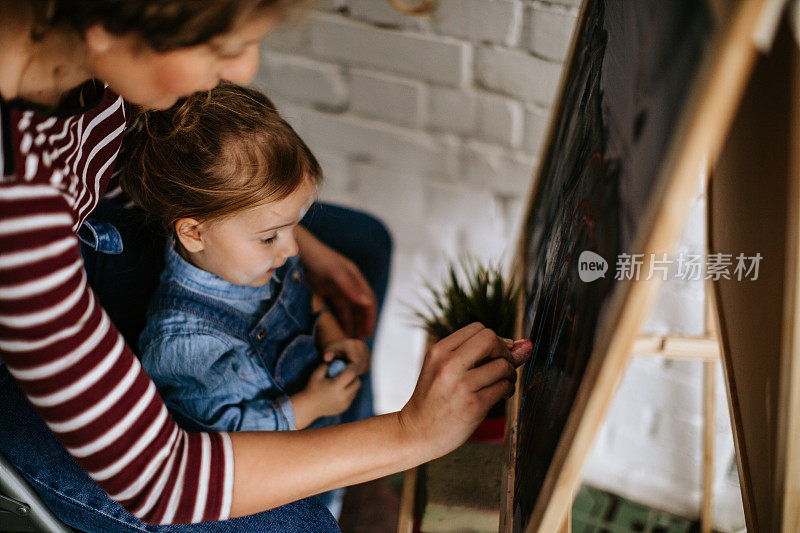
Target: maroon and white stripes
{"points": [[60, 345]]}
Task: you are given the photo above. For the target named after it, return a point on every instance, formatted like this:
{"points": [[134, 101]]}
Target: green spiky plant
{"points": [[471, 292]]}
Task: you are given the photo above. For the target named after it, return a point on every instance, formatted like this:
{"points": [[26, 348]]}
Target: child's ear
{"points": [[187, 230]]}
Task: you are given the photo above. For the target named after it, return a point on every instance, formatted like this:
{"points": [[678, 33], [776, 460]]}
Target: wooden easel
{"points": [[762, 364]]}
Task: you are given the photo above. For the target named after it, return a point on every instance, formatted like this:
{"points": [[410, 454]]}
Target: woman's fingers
{"points": [[456, 339], [483, 344], [491, 372], [494, 393]]}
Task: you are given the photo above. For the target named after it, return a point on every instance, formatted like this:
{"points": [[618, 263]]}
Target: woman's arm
{"points": [[451, 398], [87, 385], [338, 280]]}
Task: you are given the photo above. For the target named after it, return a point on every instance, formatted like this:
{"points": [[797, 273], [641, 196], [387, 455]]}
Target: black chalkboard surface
{"points": [[626, 88]]}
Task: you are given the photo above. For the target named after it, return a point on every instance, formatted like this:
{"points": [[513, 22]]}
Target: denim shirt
{"points": [[226, 357]]}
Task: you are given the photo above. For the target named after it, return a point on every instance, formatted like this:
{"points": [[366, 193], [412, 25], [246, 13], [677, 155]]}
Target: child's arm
{"points": [[324, 396], [332, 341], [328, 328]]}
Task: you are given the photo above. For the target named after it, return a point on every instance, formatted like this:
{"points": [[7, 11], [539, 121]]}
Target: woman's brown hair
{"points": [[162, 24], [212, 155]]}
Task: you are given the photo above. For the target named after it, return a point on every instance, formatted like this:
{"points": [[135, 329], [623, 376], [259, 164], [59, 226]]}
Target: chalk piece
{"points": [[462, 490], [336, 368]]}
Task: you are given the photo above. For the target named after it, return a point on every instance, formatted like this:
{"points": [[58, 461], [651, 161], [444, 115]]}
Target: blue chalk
{"points": [[336, 368]]}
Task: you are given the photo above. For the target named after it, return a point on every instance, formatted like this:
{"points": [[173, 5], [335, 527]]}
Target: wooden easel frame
{"points": [[699, 137], [760, 169]]}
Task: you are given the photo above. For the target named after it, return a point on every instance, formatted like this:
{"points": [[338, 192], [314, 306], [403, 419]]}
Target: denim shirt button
{"points": [[261, 334], [296, 277]]}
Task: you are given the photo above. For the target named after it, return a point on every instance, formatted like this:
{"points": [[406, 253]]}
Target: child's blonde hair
{"points": [[212, 155]]}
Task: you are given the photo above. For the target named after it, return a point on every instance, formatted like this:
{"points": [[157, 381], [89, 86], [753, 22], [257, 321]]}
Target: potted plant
{"points": [[473, 292]]}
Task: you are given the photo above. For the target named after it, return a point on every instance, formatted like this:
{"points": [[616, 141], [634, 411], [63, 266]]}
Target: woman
{"points": [[61, 133]]}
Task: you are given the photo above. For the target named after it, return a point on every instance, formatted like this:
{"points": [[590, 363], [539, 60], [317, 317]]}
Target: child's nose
{"points": [[291, 248]]}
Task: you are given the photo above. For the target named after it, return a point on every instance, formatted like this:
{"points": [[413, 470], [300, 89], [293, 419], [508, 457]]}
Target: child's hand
{"points": [[354, 351], [324, 396]]}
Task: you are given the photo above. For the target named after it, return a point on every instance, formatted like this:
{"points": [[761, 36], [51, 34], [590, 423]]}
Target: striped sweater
{"points": [[60, 345]]}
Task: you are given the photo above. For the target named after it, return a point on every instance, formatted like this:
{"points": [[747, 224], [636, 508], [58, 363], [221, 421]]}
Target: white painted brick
{"points": [[551, 30], [397, 100], [337, 173], [304, 80], [499, 170], [568, 3], [517, 74], [290, 35], [399, 348], [452, 110], [397, 198], [495, 21], [499, 120], [438, 59], [382, 13], [454, 204], [536, 122], [370, 141], [679, 309]]}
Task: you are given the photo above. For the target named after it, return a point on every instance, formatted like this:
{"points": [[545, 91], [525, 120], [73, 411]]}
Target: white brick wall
{"points": [[429, 57], [388, 98], [494, 21], [435, 124], [550, 30]]}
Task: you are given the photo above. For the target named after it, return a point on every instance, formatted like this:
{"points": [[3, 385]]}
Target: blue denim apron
{"points": [[281, 340]]}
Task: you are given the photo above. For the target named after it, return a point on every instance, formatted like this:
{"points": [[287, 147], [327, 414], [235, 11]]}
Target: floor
{"points": [[373, 508]]}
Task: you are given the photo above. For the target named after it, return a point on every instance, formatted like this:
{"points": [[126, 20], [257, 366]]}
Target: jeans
{"points": [[75, 499], [65, 488]]}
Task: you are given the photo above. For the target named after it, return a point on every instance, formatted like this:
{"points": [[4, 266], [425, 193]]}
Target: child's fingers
{"points": [[319, 373], [347, 376], [353, 386]]}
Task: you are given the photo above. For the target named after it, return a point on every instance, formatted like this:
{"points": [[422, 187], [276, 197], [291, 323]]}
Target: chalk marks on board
{"points": [[626, 85]]}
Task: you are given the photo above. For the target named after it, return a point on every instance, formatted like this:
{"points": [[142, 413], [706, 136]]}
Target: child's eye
{"points": [[270, 240]]}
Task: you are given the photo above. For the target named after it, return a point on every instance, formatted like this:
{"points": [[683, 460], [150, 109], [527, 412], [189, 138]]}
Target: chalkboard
{"points": [[636, 75]]}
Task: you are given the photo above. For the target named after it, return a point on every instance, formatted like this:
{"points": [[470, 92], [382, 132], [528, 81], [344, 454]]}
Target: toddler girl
{"points": [[235, 340]]}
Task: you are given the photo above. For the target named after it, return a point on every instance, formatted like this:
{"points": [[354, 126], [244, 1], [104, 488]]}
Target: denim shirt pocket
{"points": [[101, 236], [295, 364]]}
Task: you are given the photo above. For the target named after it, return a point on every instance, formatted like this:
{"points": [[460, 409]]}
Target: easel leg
{"points": [[706, 514], [407, 498], [566, 526], [709, 418]]}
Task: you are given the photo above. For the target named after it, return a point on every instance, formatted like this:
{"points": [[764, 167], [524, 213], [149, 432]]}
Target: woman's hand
{"points": [[355, 351], [462, 377], [339, 281]]}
